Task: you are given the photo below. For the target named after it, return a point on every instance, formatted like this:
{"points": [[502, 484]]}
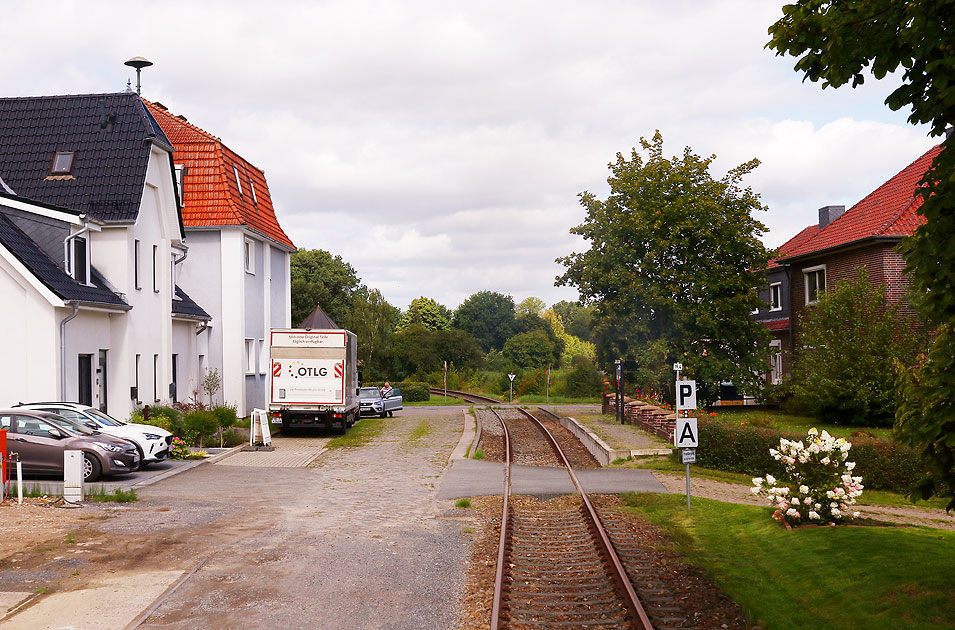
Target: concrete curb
{"points": [[600, 449], [194, 464], [462, 449]]}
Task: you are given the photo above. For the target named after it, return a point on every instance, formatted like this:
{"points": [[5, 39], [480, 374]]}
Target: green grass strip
{"points": [[871, 578], [366, 430]]}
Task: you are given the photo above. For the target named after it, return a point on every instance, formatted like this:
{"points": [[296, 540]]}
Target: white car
{"points": [[153, 443]]}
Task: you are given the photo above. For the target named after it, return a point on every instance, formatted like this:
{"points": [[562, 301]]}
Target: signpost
{"points": [[686, 435], [511, 376], [618, 371]]}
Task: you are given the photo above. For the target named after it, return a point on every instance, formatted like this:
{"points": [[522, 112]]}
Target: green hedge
{"points": [[411, 391], [883, 464]]}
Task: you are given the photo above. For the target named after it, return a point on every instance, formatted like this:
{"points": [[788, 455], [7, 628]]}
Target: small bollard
{"points": [[73, 488]]}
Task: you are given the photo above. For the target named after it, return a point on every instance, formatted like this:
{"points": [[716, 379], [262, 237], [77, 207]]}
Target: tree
{"points": [[674, 267], [836, 41], [530, 322], [318, 277], [531, 306], [489, 316], [419, 350], [532, 349], [851, 340], [571, 346], [426, 312], [373, 320], [577, 318]]}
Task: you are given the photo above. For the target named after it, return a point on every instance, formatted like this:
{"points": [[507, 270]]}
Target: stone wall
{"points": [[650, 417]]}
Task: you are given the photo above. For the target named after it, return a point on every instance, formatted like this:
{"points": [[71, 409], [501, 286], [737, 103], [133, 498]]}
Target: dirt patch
{"points": [[38, 522]]}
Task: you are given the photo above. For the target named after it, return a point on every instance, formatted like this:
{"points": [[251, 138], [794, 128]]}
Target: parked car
{"points": [[371, 402], [153, 443], [40, 438]]}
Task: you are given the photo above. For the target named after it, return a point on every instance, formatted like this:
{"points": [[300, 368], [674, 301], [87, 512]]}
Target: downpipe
{"points": [[66, 246], [63, 323]]}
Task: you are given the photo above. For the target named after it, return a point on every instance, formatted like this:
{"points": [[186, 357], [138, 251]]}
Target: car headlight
{"points": [[152, 436], [106, 446]]}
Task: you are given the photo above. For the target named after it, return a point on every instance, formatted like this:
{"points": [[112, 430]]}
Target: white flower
{"points": [[803, 489], [813, 431], [836, 513], [813, 515], [792, 512], [794, 501], [834, 505], [818, 506], [807, 500], [850, 465], [754, 490], [855, 515], [824, 460], [770, 480]]}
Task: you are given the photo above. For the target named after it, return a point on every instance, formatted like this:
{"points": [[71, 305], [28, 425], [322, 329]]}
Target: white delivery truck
{"points": [[314, 378]]}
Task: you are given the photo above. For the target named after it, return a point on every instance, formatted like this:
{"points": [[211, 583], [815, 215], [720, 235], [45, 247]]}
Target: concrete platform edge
{"points": [[467, 436], [600, 449]]}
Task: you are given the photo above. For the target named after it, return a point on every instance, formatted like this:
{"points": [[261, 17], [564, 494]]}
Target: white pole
{"points": [[19, 483]]}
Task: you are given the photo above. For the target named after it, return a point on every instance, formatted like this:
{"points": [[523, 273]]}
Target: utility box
{"points": [[73, 465], [4, 456]]}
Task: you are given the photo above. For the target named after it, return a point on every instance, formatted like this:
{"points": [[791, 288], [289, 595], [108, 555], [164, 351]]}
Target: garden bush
{"points": [[232, 438], [885, 464], [199, 424], [411, 391]]}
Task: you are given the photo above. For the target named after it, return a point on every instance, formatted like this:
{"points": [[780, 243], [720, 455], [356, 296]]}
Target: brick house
{"points": [[823, 254]]}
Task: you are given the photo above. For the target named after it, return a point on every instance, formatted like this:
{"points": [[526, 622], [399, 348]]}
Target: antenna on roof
{"points": [[139, 63]]}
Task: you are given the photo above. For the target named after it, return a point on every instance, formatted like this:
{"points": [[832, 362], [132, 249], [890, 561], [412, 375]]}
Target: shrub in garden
{"points": [[225, 418], [822, 488], [179, 449], [584, 380], [199, 424], [232, 438]]}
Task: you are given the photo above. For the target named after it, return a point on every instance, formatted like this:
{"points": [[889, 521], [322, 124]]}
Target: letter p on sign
{"points": [[685, 395]]}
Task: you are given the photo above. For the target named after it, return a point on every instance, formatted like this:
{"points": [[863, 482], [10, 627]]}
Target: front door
{"points": [[102, 380], [84, 372]]}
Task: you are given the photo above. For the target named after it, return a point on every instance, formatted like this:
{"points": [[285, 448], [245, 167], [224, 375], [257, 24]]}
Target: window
{"points": [[250, 356], [136, 281], [238, 182], [136, 394], [255, 201], [263, 357], [815, 278], [174, 387], [62, 163], [156, 377], [776, 296], [155, 268], [776, 362], [249, 256], [180, 173], [79, 260]]}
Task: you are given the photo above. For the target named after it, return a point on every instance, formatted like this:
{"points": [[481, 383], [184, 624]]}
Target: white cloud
{"points": [[440, 147]]}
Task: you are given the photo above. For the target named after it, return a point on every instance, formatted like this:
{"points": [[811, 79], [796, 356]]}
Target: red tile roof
{"points": [[890, 210], [211, 196], [796, 242]]}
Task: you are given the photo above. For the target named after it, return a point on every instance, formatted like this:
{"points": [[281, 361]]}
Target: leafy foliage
{"points": [[319, 278], [836, 42], [419, 350], [674, 267], [851, 339], [584, 380], [577, 319], [531, 306], [425, 312], [373, 320], [489, 316], [532, 349]]}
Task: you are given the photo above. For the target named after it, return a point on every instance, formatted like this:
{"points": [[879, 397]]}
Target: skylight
{"points": [[238, 182], [255, 202], [62, 163]]}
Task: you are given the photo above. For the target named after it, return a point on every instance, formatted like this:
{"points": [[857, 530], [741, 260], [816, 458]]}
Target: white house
{"points": [[239, 256], [91, 245]]}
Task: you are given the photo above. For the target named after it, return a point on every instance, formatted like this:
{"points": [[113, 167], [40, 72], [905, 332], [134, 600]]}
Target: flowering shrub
{"points": [[823, 488], [179, 450]]}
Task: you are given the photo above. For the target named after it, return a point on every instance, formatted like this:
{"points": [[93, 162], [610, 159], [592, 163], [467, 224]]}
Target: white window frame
{"points": [[249, 356], [778, 304], [180, 174], [238, 182], [156, 377], [812, 271], [255, 201], [776, 362], [137, 265], [85, 263], [248, 253], [263, 357], [155, 268]]}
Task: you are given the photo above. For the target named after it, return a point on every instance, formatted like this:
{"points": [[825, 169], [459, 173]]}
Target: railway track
{"points": [[476, 399], [559, 568]]}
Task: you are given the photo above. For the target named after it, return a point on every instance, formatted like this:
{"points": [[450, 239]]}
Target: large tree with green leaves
{"points": [[674, 267], [489, 316], [318, 277], [373, 320], [577, 318], [418, 349], [839, 42], [428, 313]]}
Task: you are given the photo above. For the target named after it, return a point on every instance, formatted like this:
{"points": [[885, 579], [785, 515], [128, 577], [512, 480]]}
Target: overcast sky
{"points": [[439, 147]]}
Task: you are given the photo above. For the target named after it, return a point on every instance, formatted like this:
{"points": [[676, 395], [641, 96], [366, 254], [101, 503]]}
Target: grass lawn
{"points": [[437, 400], [364, 431], [783, 421], [822, 577]]}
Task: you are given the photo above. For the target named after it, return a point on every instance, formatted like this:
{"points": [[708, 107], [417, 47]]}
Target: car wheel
{"points": [[142, 458], [382, 414], [91, 468]]}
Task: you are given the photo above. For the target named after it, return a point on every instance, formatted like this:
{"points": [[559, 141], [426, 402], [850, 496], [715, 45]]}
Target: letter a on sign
{"points": [[685, 395], [685, 434]]}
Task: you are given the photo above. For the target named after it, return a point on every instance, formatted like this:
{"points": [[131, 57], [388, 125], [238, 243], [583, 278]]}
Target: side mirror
{"points": [[92, 425], [56, 433]]}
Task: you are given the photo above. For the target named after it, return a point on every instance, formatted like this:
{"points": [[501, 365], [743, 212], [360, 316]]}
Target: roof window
{"points": [[255, 202], [238, 182], [62, 163]]}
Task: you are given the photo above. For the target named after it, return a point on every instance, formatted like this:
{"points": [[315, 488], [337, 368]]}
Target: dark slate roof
{"points": [[187, 307], [110, 136], [47, 271], [319, 319]]}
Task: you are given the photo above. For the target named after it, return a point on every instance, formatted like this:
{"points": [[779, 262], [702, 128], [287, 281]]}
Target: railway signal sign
{"points": [[685, 434], [685, 395]]}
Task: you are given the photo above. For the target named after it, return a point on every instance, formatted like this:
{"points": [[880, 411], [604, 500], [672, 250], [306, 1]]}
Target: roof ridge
{"points": [[182, 121]]}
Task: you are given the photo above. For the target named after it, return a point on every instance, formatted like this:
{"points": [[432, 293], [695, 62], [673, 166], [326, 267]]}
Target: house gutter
{"points": [[63, 323]]}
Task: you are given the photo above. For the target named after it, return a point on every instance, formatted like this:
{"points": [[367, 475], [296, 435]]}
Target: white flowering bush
{"points": [[822, 489]]}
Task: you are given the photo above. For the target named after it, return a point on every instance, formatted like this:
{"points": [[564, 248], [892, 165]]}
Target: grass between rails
{"points": [[823, 577], [364, 431]]}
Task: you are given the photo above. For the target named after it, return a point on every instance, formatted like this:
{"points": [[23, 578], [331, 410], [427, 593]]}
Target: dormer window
{"points": [[238, 182], [79, 260], [62, 163]]}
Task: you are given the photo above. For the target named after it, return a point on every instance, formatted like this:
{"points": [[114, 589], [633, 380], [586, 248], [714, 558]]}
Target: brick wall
{"points": [[650, 417]]}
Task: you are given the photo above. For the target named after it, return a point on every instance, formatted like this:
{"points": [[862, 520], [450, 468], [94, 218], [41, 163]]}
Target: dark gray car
{"points": [[40, 438]]}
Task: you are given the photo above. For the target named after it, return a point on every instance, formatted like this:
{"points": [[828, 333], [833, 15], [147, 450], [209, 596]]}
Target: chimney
{"points": [[828, 214]]}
